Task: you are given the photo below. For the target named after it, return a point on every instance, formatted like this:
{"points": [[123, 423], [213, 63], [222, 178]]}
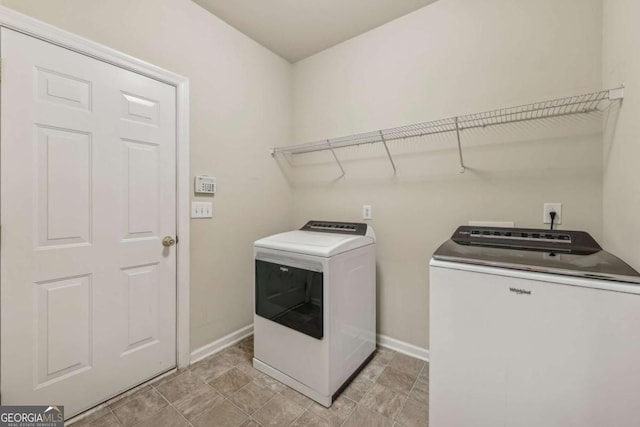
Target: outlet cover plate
{"points": [[552, 207], [366, 212]]}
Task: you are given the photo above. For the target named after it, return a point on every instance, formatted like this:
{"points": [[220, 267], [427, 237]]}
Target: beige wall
{"points": [[240, 106], [621, 64], [451, 57]]}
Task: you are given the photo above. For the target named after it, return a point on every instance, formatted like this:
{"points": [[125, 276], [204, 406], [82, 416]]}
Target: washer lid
{"points": [[314, 242], [581, 256]]}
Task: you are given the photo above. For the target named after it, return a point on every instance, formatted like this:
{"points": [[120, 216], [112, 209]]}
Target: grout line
{"points": [[265, 403], [376, 412], [234, 403], [374, 381], [423, 368], [413, 385], [395, 423], [117, 398], [349, 416], [406, 399], [298, 417], [171, 405], [114, 416], [304, 409]]}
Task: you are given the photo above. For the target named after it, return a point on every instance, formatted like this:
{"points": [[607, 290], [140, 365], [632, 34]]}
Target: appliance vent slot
{"points": [[333, 226], [521, 235], [353, 228]]}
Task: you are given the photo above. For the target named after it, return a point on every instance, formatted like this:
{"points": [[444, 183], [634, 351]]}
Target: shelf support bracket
{"points": [[616, 93], [335, 157], [462, 166], [384, 142]]}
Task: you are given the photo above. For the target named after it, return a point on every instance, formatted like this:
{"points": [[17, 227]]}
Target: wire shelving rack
{"points": [[579, 104]]}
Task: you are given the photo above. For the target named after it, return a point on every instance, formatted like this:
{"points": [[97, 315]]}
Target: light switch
{"points": [[201, 210]]}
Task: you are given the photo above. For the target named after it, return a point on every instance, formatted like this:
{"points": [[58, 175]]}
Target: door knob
{"points": [[168, 241]]}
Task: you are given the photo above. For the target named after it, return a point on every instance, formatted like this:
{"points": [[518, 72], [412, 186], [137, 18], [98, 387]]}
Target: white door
{"points": [[87, 194]]}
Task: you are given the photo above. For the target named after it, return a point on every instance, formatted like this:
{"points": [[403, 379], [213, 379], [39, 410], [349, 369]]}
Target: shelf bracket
{"points": [[335, 157], [616, 93], [384, 142], [462, 166]]}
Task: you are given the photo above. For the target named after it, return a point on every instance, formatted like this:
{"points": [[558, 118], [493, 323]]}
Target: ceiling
{"points": [[296, 29]]}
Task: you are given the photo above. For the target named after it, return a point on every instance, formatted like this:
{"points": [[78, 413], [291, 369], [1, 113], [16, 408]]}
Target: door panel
{"points": [[61, 306], [63, 89], [87, 190], [141, 188], [138, 109], [142, 316], [64, 187]]}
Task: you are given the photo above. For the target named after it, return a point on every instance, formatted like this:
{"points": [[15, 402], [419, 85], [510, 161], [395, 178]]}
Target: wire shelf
{"points": [[580, 104]]}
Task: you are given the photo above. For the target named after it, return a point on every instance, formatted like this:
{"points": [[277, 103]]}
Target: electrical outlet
{"points": [[366, 212], [552, 207], [201, 210]]}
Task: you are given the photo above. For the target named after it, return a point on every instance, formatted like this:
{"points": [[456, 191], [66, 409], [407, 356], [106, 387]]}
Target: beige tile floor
{"points": [[225, 390]]}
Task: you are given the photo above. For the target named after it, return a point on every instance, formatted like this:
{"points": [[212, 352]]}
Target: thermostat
{"points": [[205, 184]]}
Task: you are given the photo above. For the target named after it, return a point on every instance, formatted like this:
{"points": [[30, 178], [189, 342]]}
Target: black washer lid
{"points": [[575, 254], [532, 239]]}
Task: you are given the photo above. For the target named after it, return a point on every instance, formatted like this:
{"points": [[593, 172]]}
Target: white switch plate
{"points": [[366, 212], [552, 207], [201, 210]]}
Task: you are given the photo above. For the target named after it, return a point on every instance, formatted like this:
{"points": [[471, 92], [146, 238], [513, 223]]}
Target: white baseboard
{"points": [[403, 347], [221, 344], [242, 333]]}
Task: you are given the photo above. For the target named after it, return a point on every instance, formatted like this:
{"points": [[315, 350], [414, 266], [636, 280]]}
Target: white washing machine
{"points": [[315, 306], [532, 328]]}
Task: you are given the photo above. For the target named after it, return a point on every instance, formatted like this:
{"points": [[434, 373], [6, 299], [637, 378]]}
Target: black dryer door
{"points": [[290, 296]]}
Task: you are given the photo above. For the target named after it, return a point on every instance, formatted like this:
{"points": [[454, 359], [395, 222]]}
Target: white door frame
{"points": [[32, 27]]}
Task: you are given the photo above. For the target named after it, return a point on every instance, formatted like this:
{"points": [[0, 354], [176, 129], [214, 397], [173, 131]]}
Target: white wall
{"points": [[240, 106], [451, 57], [621, 64]]}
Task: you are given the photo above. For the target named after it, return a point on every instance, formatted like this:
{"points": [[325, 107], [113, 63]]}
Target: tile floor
{"points": [[225, 390]]}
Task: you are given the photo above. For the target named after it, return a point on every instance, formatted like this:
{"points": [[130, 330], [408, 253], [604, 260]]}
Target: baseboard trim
{"points": [[219, 345], [403, 347], [242, 333]]}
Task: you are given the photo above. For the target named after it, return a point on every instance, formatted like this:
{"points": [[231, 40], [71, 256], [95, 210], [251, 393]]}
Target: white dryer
{"points": [[532, 328], [315, 306]]}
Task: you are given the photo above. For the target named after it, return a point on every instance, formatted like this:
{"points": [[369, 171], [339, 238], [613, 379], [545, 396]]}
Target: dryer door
{"points": [[291, 296]]}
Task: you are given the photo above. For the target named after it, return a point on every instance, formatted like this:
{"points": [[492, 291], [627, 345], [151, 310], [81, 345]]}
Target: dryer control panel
{"points": [[357, 229]]}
